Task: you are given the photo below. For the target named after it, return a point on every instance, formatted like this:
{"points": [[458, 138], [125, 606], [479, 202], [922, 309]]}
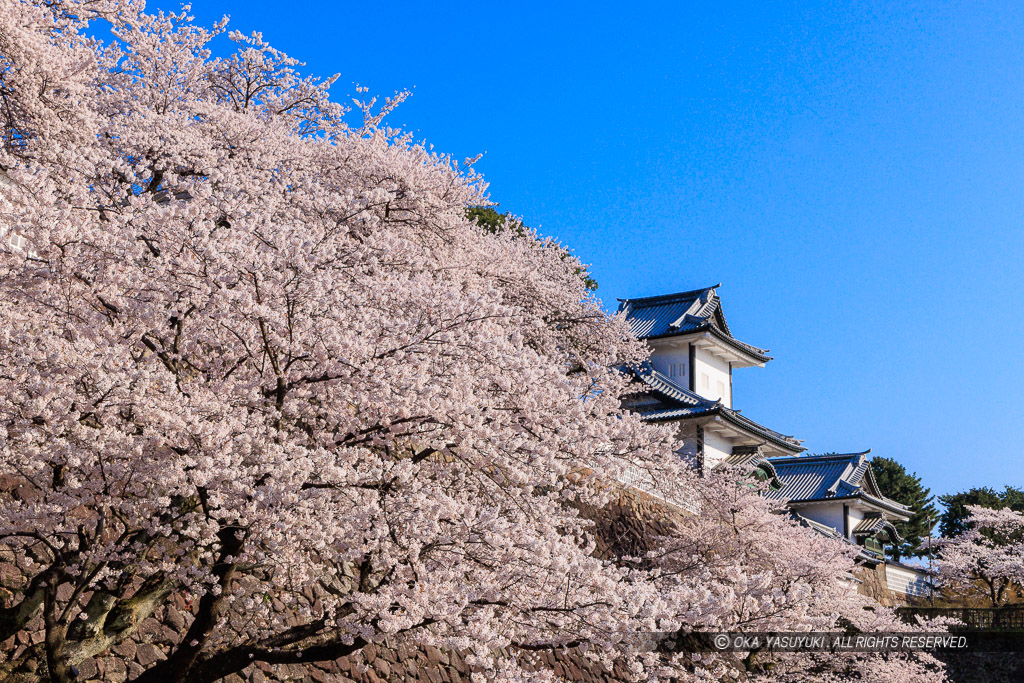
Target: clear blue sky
{"points": [[853, 175]]}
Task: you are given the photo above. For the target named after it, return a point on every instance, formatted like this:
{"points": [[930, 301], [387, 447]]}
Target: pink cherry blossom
{"points": [[254, 357], [986, 560]]}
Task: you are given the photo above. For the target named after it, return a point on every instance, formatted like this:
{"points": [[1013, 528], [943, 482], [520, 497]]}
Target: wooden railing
{"points": [[972, 618]]}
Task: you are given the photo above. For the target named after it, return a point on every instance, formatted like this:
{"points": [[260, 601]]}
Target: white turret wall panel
{"points": [[712, 377], [906, 581], [856, 517], [829, 514], [673, 362], [716, 448]]}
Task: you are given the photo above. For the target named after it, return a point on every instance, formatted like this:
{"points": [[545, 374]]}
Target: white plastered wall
{"points": [[673, 362], [711, 375], [829, 514], [855, 518], [716, 448]]}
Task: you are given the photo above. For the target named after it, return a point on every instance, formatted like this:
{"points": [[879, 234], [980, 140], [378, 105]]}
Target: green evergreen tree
{"points": [[954, 518], [897, 484]]}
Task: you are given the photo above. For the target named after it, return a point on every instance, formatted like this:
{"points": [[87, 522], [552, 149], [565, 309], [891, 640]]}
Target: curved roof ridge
{"points": [[659, 298], [875, 523], [823, 456], [719, 316], [695, 311]]}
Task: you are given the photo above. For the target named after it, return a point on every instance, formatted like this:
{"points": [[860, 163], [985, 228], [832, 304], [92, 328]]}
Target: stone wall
{"points": [[379, 664], [373, 664], [630, 523], [874, 585], [628, 526]]}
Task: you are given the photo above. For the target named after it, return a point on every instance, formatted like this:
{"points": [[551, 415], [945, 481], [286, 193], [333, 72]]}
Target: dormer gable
{"points": [[815, 479], [694, 316]]}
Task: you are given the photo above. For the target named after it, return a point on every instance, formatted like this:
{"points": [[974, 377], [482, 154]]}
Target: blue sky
{"points": [[852, 174]]}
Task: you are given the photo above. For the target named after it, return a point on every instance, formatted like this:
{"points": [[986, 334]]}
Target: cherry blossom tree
{"points": [[985, 560], [255, 357], [744, 564], [246, 346]]}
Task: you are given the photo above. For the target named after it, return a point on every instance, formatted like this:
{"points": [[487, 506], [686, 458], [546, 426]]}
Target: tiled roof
{"points": [[674, 403], [672, 400], [753, 458], [869, 526], [826, 530], [664, 386], [826, 477], [670, 315]]}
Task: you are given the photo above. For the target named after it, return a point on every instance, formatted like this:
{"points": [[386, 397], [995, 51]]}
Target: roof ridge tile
{"points": [[664, 298]]}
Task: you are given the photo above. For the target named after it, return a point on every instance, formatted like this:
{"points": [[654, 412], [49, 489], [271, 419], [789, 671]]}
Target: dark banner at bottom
{"points": [[837, 642]]}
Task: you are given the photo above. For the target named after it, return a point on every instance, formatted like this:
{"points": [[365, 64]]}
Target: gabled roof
{"points": [[673, 402], [826, 530], [671, 315], [869, 526], [752, 458], [832, 477]]}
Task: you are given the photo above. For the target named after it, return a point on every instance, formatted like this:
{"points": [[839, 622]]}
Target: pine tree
{"points": [[896, 483], [954, 518]]}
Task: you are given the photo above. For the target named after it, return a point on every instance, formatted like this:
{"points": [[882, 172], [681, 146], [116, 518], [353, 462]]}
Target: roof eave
{"points": [[666, 417], [727, 415], [741, 347], [755, 356], [739, 426], [889, 505], [892, 506]]}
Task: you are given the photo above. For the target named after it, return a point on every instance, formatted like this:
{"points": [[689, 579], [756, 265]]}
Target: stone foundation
{"points": [[874, 585], [627, 526]]}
